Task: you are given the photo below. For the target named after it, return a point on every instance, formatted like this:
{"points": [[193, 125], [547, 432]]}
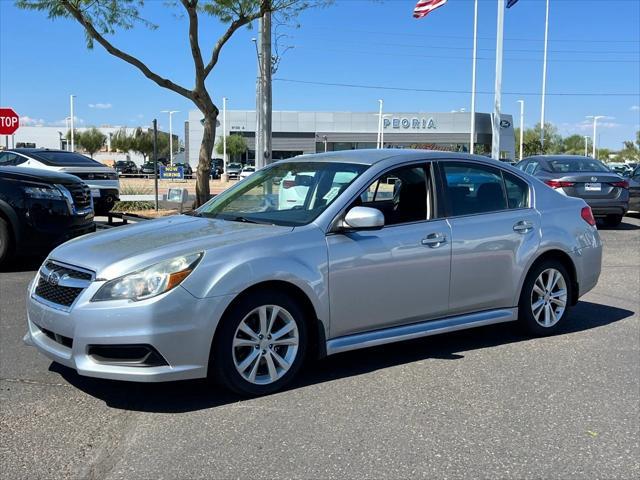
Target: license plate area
{"points": [[592, 187]]}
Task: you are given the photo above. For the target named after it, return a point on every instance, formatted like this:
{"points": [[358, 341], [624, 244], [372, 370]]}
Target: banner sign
{"points": [[172, 172]]}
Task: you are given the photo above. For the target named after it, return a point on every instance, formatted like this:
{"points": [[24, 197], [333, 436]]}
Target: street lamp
{"points": [[521, 102], [71, 97], [224, 137], [170, 112], [595, 130]]}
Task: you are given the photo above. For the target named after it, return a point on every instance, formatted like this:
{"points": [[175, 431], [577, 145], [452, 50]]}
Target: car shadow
{"points": [[623, 226], [192, 395]]}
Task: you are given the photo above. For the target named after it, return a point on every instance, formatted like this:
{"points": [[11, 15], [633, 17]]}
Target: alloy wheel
{"points": [[265, 344], [549, 297]]}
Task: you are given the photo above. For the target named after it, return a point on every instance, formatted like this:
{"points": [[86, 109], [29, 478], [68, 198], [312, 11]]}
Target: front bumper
{"points": [[177, 325]]}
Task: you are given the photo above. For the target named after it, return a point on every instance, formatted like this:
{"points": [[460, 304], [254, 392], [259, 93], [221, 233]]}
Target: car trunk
{"points": [[591, 185]]}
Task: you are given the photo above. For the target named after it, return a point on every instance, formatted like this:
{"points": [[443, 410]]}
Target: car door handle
{"points": [[523, 226], [434, 240]]}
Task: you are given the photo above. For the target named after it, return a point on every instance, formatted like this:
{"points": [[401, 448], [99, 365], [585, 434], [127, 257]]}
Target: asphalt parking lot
{"points": [[482, 403]]}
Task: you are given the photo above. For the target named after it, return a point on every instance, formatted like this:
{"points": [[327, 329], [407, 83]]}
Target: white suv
{"points": [[102, 180]]}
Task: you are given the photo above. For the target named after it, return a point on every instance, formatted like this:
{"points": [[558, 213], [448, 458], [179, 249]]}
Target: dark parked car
{"points": [[126, 167], [217, 167], [606, 192], [147, 167], [634, 190], [41, 209], [186, 169]]}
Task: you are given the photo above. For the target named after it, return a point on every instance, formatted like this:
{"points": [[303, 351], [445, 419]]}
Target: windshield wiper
{"points": [[247, 220]]}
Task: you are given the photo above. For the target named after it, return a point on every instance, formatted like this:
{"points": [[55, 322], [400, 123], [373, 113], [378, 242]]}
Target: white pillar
{"points": [[586, 145], [73, 146], [544, 76], [170, 139], [495, 140], [379, 140], [472, 135], [521, 102], [595, 129], [224, 132]]}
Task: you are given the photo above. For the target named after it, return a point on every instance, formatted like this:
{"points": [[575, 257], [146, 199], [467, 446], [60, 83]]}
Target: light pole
{"points": [[73, 149], [170, 112], [521, 102], [544, 76], [379, 141], [497, 117], [382, 130], [224, 134], [66, 125], [472, 138], [595, 131], [586, 145]]}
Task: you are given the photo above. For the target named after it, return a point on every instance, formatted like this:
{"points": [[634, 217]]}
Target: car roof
{"points": [[373, 156]]}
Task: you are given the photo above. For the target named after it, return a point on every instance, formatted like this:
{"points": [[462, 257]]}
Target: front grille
{"points": [[96, 175], [81, 194], [60, 284], [57, 294], [54, 267]]}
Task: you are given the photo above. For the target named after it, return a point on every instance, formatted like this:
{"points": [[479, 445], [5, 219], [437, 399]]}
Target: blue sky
{"points": [[594, 48]]}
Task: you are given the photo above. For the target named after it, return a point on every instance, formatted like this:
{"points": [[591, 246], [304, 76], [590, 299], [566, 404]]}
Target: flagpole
{"points": [[495, 124], [379, 142], [544, 76], [472, 138]]}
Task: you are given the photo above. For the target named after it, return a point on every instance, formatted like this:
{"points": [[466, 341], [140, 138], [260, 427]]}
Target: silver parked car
{"points": [[606, 192], [384, 246]]}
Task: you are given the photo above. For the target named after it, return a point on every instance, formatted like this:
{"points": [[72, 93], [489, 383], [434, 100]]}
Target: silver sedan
{"points": [[376, 246]]}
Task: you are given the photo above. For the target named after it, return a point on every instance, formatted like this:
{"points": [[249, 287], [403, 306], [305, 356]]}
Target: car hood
{"points": [[114, 252]]}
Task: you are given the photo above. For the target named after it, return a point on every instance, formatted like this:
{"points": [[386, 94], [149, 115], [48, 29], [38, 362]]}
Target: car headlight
{"points": [[50, 193], [151, 281]]}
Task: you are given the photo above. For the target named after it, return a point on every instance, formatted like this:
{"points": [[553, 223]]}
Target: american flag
{"points": [[423, 7], [511, 3]]}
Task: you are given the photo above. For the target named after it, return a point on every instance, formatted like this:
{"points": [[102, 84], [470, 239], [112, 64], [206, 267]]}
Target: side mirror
{"points": [[364, 218]]}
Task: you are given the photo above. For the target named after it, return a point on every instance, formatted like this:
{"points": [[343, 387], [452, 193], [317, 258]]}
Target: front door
{"points": [[398, 274]]}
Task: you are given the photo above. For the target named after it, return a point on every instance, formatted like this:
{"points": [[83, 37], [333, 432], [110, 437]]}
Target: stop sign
{"points": [[9, 121]]}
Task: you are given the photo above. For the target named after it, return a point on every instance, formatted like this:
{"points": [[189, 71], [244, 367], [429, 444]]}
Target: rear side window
{"points": [[517, 191], [63, 159], [531, 167], [473, 188]]}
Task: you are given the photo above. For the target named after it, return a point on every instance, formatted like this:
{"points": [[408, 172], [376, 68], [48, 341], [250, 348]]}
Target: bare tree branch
{"points": [[147, 72], [191, 7]]}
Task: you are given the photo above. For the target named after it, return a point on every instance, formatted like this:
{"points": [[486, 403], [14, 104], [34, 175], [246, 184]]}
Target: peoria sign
{"points": [[414, 123]]}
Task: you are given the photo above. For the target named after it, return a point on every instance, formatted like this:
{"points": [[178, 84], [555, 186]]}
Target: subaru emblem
{"points": [[53, 279], [594, 179]]}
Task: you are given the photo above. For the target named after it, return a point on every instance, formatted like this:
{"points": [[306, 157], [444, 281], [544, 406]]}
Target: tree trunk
{"points": [[204, 160]]}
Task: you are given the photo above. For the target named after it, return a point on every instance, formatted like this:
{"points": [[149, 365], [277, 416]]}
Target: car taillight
{"points": [[559, 184], [288, 183], [622, 184], [587, 215]]}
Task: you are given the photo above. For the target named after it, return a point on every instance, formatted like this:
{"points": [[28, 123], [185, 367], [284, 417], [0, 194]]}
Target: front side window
{"points": [[531, 167], [291, 193], [403, 195], [7, 159], [473, 188]]}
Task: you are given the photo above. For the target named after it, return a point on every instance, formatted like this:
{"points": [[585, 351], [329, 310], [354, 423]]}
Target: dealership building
{"points": [[295, 133]]}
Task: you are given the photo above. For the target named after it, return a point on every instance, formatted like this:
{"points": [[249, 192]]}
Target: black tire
{"points": [[5, 241], [221, 359], [526, 315], [613, 220]]}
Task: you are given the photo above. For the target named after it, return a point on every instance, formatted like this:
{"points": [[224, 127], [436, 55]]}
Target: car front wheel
{"points": [[260, 345], [545, 298]]}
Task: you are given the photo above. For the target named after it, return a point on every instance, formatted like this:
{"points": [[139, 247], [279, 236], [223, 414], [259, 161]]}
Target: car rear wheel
{"points": [[260, 345], [545, 298], [613, 220], [5, 240]]}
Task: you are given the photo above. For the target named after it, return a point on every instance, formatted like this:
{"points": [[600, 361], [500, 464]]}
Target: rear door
{"points": [[494, 232]]}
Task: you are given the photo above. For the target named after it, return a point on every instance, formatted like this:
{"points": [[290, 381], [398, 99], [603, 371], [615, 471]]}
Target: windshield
{"points": [[64, 159], [235, 165], [563, 165], [290, 194]]}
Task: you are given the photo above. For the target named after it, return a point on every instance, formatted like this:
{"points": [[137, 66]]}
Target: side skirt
{"points": [[422, 329]]}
